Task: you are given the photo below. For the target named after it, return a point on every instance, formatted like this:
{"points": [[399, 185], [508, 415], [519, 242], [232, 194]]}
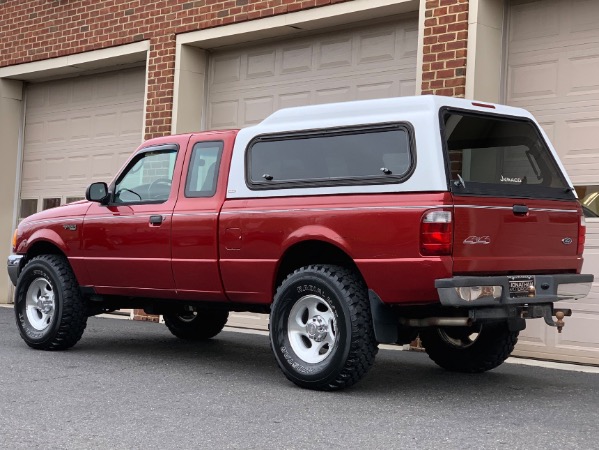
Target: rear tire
{"points": [[198, 325], [50, 312], [321, 328], [469, 349]]}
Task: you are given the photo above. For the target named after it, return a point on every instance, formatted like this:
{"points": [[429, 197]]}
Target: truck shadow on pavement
{"points": [[409, 374]]}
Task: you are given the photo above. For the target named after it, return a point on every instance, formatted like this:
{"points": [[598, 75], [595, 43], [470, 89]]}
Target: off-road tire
{"points": [[69, 317], [202, 324], [342, 295], [490, 349]]}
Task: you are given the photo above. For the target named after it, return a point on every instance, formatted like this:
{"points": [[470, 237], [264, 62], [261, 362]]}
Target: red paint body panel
{"points": [[49, 227], [530, 243], [195, 231], [379, 232], [125, 254]]}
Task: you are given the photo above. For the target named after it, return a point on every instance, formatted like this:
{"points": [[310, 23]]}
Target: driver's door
{"points": [[127, 243]]}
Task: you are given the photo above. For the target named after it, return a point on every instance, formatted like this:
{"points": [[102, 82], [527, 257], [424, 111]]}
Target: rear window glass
{"points": [[493, 155], [331, 157]]}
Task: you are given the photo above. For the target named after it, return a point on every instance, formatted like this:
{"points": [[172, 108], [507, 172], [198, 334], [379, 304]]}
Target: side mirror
{"points": [[97, 192]]}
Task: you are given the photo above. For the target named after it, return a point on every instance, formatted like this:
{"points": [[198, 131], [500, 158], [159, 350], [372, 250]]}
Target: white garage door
{"points": [[248, 84], [245, 85], [78, 130], [553, 71]]}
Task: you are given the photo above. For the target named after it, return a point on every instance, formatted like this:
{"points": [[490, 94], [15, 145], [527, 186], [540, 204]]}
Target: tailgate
{"points": [[495, 236]]}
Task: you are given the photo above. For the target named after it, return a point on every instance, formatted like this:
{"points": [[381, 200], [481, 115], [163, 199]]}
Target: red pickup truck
{"points": [[352, 224]]}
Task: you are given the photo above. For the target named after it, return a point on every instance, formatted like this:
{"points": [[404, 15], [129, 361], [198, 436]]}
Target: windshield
{"points": [[498, 156]]}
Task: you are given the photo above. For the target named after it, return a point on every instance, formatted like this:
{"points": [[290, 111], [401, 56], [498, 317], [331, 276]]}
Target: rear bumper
{"points": [[548, 289], [14, 267]]}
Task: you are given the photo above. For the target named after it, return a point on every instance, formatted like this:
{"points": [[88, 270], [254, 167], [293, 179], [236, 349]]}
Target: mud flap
{"points": [[384, 320]]}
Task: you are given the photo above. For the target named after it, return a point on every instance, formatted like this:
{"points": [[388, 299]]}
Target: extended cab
{"points": [[351, 224]]}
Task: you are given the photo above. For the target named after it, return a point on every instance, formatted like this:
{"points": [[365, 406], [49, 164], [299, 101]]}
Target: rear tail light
{"points": [[582, 230], [436, 233]]}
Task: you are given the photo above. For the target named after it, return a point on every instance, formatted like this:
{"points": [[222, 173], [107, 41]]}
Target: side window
{"points": [[366, 155], [148, 178], [202, 174]]}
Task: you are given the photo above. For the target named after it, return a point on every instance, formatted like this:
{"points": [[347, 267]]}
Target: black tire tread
{"points": [[73, 320], [363, 346], [493, 347], [208, 323]]}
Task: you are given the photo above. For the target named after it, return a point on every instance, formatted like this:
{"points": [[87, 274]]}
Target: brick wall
{"points": [[34, 30], [444, 49]]}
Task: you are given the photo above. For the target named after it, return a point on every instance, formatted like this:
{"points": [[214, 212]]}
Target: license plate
{"points": [[521, 286]]}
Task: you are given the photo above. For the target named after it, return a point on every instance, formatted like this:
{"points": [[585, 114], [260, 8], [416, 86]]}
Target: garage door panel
{"points": [[294, 99], [584, 70], [226, 69], [130, 122], [247, 84], [261, 64], [69, 122], [533, 80], [296, 59], [103, 166], [256, 108], [533, 21], [377, 47], [574, 335], [223, 114], [78, 169], [335, 53], [553, 71], [583, 17], [535, 334]]}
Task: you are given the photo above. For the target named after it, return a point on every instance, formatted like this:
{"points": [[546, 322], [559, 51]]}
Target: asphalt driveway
{"points": [[132, 385]]}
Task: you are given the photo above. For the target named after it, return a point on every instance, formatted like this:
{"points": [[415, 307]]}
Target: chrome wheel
{"points": [[188, 317], [312, 329], [40, 304], [460, 337]]}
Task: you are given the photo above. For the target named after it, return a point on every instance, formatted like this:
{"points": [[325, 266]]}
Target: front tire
{"points": [[50, 312], [473, 349], [197, 325], [321, 328]]}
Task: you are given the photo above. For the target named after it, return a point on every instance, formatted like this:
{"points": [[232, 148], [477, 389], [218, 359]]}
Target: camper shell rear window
{"points": [[378, 154], [495, 155]]}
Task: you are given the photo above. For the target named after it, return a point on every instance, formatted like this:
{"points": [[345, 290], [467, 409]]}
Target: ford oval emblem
{"points": [[567, 241]]}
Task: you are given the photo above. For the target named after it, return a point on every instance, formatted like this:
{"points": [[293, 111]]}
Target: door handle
{"points": [[156, 220], [520, 210]]}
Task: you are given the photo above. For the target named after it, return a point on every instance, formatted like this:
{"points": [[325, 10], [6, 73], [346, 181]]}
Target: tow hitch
{"points": [[547, 313]]}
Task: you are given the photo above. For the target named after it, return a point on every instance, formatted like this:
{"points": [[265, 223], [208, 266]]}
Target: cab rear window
{"points": [[500, 156], [366, 155]]}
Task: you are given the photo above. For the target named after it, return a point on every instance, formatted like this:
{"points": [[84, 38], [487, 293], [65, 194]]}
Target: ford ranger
{"points": [[351, 224]]}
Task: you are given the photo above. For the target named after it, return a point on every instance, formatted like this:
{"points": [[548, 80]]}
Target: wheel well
{"points": [[312, 252], [43, 248]]}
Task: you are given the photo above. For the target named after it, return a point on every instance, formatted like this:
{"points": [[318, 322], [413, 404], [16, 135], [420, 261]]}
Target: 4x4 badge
{"points": [[477, 240], [567, 241]]}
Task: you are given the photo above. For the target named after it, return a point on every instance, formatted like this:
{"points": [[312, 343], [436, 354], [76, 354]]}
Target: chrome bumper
{"points": [[14, 267], [548, 289]]}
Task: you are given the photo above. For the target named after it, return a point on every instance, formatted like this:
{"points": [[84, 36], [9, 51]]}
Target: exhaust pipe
{"points": [[437, 322]]}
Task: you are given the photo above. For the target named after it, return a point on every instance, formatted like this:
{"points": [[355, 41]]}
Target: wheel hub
{"points": [[312, 329], [45, 304], [317, 329], [40, 303]]}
